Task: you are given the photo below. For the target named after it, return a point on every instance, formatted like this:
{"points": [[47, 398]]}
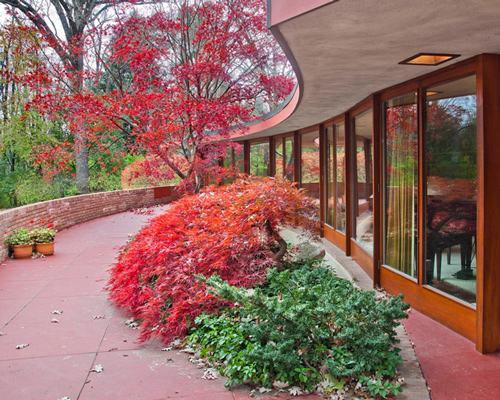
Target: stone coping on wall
{"points": [[69, 211]]}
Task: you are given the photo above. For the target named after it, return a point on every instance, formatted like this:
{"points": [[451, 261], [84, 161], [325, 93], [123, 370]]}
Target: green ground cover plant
{"points": [[305, 328]]}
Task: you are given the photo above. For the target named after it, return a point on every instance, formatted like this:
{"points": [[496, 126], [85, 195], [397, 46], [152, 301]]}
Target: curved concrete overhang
{"points": [[343, 51]]}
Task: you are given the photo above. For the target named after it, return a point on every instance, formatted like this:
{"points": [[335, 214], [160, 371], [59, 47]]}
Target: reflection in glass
{"points": [[279, 156], [400, 195], [284, 158], [330, 176], [451, 168], [239, 159], [310, 165], [340, 175], [363, 188], [259, 159], [288, 166], [335, 183]]}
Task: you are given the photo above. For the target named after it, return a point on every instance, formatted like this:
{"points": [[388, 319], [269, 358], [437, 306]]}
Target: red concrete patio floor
{"points": [[90, 331]]}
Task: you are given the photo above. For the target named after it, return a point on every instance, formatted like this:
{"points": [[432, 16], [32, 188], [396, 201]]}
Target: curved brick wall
{"points": [[74, 210]]}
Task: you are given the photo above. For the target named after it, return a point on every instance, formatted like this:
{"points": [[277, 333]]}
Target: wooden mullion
{"points": [[377, 189], [322, 169]]}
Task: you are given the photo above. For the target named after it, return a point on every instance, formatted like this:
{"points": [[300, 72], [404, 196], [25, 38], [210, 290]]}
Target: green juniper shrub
{"points": [[305, 327]]}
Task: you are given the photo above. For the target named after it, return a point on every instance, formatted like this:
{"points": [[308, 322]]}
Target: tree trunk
{"points": [[81, 161], [278, 256], [81, 149]]}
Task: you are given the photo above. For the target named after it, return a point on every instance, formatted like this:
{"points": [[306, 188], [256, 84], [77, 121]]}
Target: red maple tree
{"points": [[229, 230], [177, 78]]}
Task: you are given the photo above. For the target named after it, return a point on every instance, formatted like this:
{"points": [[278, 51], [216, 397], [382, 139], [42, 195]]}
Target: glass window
{"points": [[239, 161], [451, 199], [340, 175], [279, 156], [363, 187], [289, 159], [227, 163], [335, 205], [330, 176], [401, 181], [310, 165], [259, 159]]}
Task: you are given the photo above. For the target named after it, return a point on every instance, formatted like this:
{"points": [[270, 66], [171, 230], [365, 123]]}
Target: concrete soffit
{"points": [[344, 51]]}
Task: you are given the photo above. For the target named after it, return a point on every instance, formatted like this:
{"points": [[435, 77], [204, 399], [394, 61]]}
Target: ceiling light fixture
{"points": [[429, 59]]}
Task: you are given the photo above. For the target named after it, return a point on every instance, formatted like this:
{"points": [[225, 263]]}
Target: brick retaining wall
{"points": [[74, 210]]}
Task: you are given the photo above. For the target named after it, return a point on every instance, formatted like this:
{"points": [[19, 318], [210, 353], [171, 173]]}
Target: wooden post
{"points": [[246, 156], [377, 168], [272, 156], [349, 179], [322, 180], [488, 204]]}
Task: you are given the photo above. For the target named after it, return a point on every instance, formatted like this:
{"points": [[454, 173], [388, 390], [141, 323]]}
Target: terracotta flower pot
{"points": [[22, 250], [46, 249]]}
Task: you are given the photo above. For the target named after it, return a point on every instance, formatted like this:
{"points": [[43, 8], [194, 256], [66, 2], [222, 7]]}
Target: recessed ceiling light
{"points": [[429, 93], [429, 59]]}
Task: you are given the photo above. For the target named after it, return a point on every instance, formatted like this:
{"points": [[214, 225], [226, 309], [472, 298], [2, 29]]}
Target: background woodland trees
{"points": [[115, 82]]}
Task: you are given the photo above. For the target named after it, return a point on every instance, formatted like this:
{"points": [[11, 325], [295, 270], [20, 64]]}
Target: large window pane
{"points": [[259, 159], [451, 169], [363, 188], [289, 157], [400, 195], [239, 159], [310, 163], [335, 182], [340, 175], [284, 158], [330, 176], [279, 157]]}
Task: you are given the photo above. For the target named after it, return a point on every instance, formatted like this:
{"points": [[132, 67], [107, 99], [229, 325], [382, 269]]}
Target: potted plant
{"points": [[44, 240], [21, 241]]}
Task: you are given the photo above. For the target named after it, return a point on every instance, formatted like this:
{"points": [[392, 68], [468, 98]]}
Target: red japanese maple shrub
{"points": [[229, 230]]}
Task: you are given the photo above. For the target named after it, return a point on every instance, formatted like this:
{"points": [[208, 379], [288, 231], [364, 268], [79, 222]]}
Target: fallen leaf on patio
{"points": [[98, 368], [280, 385], [166, 349], [295, 391], [54, 320], [188, 350], [98, 317], [4, 265], [58, 312], [211, 373], [22, 346], [131, 323], [64, 398], [1, 333]]}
